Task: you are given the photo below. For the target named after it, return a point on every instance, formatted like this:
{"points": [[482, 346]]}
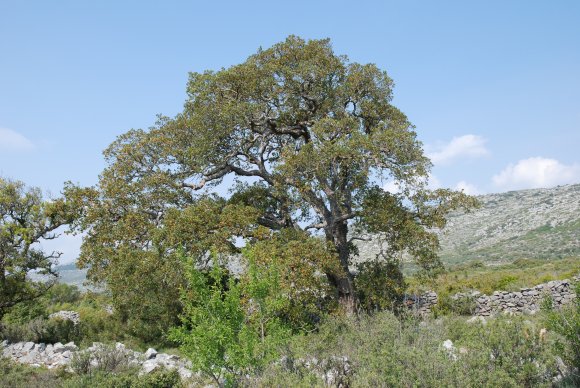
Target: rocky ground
{"points": [[538, 223], [59, 355]]}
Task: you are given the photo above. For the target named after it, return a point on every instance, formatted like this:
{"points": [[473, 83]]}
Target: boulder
{"points": [[71, 346], [150, 353], [28, 346], [65, 315], [149, 366], [58, 348]]}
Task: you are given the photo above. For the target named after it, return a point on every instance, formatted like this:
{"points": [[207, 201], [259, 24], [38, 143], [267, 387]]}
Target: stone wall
{"points": [[422, 304], [59, 355], [527, 300], [524, 301]]}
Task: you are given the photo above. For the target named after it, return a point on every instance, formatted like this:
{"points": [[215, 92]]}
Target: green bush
{"points": [[13, 375], [464, 304], [227, 331], [48, 331], [385, 351], [127, 379], [105, 359], [61, 294], [380, 285], [566, 323]]}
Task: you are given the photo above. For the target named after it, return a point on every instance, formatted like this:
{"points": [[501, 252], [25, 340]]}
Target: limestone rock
{"points": [[150, 353]]}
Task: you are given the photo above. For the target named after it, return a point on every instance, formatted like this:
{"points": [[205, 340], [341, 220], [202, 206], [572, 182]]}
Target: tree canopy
{"points": [[308, 135], [25, 220]]}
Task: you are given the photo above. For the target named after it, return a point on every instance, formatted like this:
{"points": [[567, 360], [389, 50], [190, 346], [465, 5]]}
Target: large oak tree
{"points": [[309, 136]]}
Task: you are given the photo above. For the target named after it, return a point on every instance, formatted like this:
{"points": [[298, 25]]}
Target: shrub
{"points": [[13, 375], [383, 350], [458, 304], [127, 379], [106, 358], [380, 285], [41, 330], [62, 294], [224, 337], [566, 323]]}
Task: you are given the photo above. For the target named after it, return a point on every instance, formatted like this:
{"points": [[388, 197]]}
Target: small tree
{"points": [[230, 329], [25, 220]]}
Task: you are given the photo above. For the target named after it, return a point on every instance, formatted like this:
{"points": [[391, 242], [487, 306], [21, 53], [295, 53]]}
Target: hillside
{"points": [[70, 274], [537, 223]]}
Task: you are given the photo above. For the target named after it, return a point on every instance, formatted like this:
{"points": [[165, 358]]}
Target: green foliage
{"points": [[566, 323], [295, 262], [385, 351], [459, 305], [15, 375], [228, 330], [61, 294], [25, 219], [106, 359], [128, 379], [58, 297], [506, 277], [505, 281], [41, 330], [380, 285], [313, 131]]}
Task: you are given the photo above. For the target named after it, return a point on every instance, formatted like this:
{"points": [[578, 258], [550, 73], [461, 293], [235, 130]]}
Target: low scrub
{"points": [[507, 277], [384, 350], [48, 331]]}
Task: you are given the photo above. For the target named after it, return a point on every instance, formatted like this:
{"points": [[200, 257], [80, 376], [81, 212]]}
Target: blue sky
{"points": [[493, 87]]}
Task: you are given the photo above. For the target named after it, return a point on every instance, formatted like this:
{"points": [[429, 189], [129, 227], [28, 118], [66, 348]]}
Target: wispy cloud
{"points": [[535, 173], [394, 187], [467, 188], [466, 146], [11, 140]]}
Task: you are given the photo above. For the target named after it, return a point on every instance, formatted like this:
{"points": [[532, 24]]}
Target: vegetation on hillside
{"points": [[486, 278]]}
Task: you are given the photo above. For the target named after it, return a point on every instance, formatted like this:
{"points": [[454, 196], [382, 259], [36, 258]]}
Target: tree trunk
{"points": [[343, 282]]}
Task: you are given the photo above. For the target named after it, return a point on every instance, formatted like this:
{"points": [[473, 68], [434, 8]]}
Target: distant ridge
{"points": [[70, 274], [535, 223]]}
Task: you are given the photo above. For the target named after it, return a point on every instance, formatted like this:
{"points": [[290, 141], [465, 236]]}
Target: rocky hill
{"points": [[537, 223]]}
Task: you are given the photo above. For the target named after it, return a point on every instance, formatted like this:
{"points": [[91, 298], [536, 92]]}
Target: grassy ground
{"points": [[505, 277]]}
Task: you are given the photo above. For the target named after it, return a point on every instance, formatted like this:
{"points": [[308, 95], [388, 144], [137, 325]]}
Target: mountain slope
{"points": [[537, 223]]}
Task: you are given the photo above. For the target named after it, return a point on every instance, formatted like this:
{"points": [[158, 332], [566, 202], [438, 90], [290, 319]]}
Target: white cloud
{"points": [[467, 188], [535, 173], [13, 141], [466, 146], [394, 187]]}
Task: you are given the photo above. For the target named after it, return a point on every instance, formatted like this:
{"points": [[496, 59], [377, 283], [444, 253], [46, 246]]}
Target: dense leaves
{"points": [[25, 220], [230, 329]]}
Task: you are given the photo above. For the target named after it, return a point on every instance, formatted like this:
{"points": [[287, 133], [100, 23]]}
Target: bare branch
{"points": [[319, 225], [359, 238]]}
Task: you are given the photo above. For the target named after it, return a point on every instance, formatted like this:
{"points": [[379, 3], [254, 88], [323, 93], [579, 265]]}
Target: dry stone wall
{"points": [[59, 355], [421, 304], [525, 301]]}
